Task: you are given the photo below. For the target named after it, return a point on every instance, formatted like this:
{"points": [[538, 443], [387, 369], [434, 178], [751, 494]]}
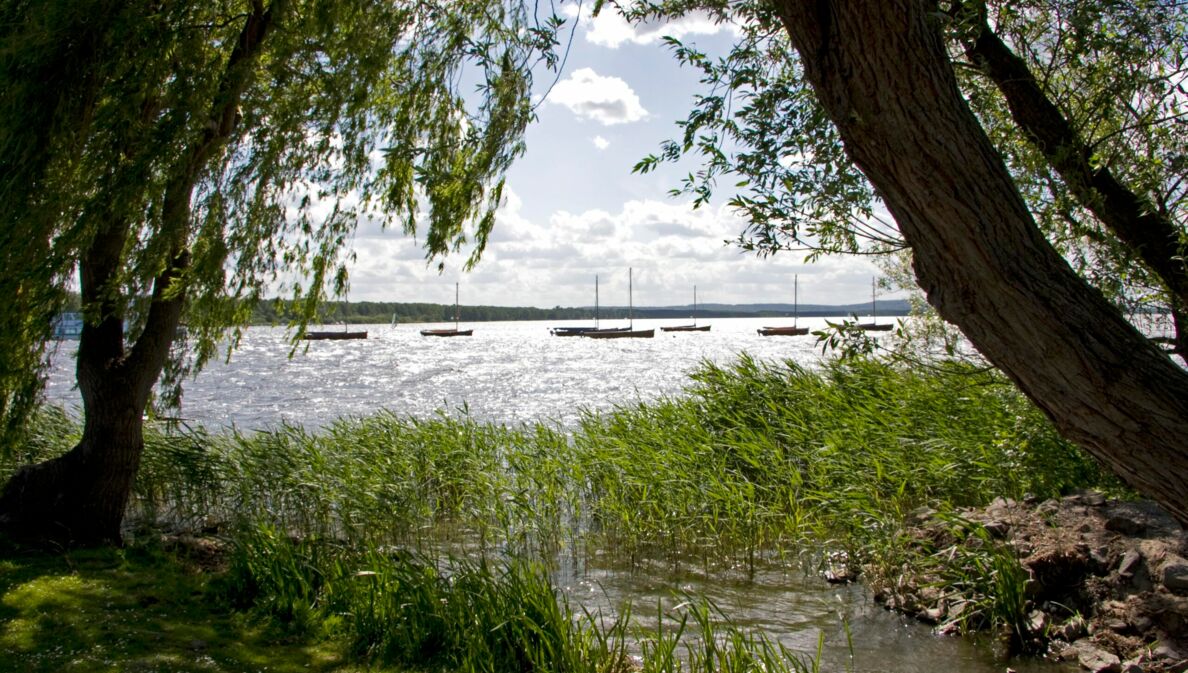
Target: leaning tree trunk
{"points": [[80, 497], [882, 73]]}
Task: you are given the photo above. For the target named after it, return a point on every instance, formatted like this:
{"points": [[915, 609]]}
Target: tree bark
{"points": [[882, 73]]}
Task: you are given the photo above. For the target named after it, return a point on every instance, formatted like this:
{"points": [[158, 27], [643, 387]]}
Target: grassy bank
{"points": [[755, 462]]}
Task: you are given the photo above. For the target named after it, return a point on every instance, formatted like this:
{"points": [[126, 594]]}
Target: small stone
{"points": [[1047, 508], [1037, 622], [1122, 522], [1174, 574], [1129, 564], [1165, 652], [1072, 629], [1100, 557], [1117, 625], [997, 529], [931, 615], [1095, 659]]}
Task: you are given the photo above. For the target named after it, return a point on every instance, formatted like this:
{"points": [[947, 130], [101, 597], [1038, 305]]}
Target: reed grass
{"points": [[474, 615], [755, 460]]}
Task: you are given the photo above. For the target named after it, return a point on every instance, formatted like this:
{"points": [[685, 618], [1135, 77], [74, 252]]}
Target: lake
{"points": [[508, 372], [515, 372]]}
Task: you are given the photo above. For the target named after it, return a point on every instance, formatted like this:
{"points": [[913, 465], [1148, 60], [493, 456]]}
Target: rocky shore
{"points": [[1104, 582]]}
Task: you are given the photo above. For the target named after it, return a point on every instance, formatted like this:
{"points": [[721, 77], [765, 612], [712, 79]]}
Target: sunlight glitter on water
{"points": [[508, 372]]}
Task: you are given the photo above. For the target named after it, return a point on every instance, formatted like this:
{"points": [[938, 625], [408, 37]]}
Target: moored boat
{"points": [[450, 332], [783, 331], [621, 333], [688, 328], [874, 325], [628, 332], [332, 336], [792, 330], [580, 331]]}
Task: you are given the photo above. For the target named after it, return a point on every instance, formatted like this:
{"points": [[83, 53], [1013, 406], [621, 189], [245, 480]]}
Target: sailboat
{"points": [[334, 335], [873, 325], [580, 330], [794, 330], [688, 328], [449, 332], [630, 331]]}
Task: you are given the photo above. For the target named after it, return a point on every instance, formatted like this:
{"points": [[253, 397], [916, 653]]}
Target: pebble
{"points": [[1174, 574]]}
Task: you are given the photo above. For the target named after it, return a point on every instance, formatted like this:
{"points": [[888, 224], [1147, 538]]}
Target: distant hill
{"points": [[887, 307], [273, 312]]}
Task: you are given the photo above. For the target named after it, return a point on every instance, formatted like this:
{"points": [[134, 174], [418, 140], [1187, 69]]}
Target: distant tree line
{"points": [[276, 312]]}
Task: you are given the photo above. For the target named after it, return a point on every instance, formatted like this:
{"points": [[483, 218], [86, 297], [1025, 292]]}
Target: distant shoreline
{"points": [[368, 312]]}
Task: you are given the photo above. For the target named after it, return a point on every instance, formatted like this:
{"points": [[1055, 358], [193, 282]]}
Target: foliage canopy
{"points": [[238, 144], [1117, 73]]}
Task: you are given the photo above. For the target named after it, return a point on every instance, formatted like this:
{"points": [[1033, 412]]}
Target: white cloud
{"points": [[601, 143], [606, 100], [552, 263], [609, 29]]}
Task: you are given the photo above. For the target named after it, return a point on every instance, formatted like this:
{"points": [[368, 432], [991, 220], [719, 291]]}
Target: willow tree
{"points": [[1032, 157], [177, 160]]}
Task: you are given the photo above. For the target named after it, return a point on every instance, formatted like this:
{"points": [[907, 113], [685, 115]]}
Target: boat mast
{"points": [[874, 315], [595, 301], [795, 299], [630, 318], [695, 306], [455, 307]]}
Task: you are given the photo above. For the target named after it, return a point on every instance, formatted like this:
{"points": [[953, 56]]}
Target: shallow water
{"points": [[515, 372]]}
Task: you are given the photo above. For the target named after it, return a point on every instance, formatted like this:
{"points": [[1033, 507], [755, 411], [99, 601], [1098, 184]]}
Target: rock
{"points": [[1100, 557], [1095, 659], [1174, 574], [1131, 561], [931, 615], [1047, 508], [1087, 498], [997, 529], [1072, 629], [1165, 652], [1037, 622], [1126, 523]]}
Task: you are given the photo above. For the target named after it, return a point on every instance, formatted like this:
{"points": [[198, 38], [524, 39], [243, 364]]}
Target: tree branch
{"points": [[1128, 215]]}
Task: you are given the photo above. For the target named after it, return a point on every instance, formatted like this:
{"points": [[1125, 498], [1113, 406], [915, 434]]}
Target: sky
{"points": [[573, 210]]}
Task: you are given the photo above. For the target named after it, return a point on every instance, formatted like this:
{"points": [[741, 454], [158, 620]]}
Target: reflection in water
{"points": [[516, 373]]}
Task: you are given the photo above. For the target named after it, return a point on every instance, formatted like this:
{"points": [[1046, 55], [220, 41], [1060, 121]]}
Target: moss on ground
{"points": [[140, 609]]}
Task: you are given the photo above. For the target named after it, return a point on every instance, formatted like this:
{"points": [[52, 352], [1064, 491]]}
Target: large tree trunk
{"points": [[80, 498], [882, 73]]}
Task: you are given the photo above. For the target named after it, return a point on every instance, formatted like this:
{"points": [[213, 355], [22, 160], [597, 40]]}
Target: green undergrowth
{"points": [[339, 530], [139, 609]]}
